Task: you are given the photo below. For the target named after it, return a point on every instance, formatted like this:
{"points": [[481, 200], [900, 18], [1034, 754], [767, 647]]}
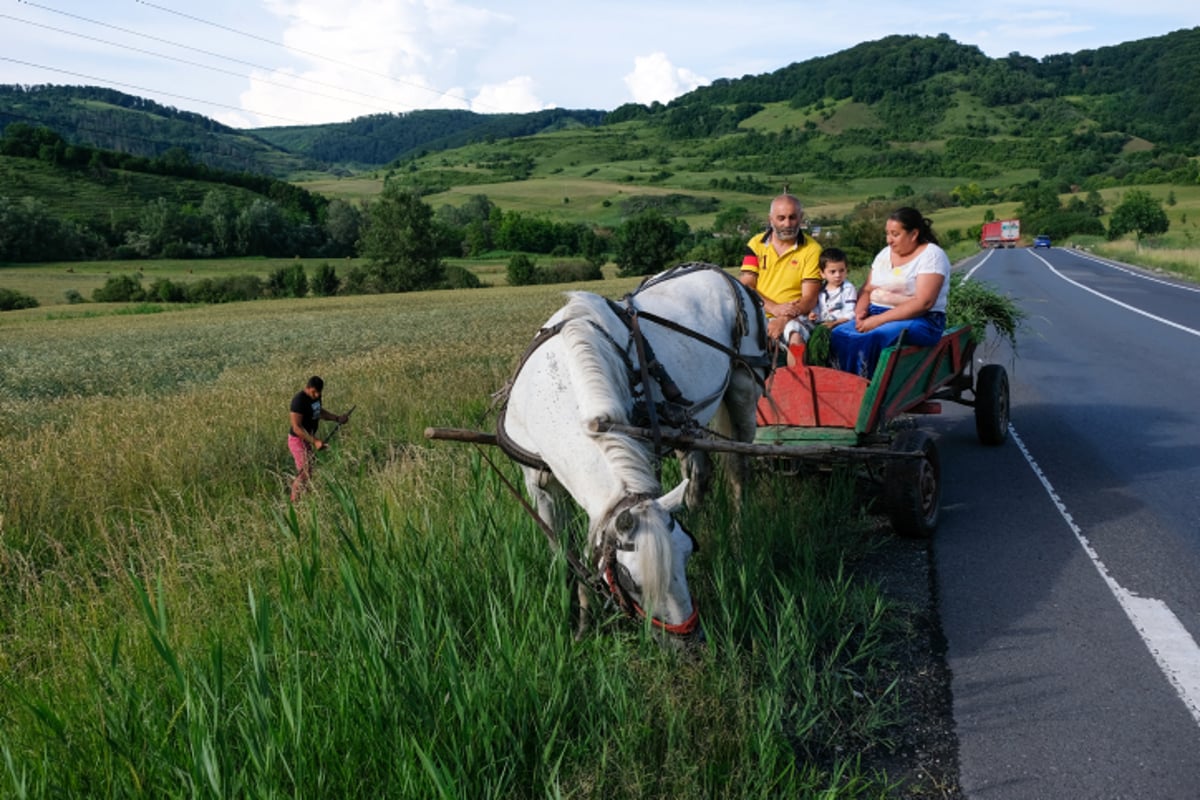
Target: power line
{"points": [[153, 91], [180, 45], [202, 66], [298, 50]]}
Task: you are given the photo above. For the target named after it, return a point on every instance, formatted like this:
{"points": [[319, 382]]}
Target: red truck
{"points": [[1000, 233]]}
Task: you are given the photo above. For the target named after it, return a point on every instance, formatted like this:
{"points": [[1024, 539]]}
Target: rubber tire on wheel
{"points": [[912, 487], [991, 405]]}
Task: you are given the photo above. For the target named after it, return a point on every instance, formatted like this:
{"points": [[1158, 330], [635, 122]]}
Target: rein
{"points": [[592, 582]]}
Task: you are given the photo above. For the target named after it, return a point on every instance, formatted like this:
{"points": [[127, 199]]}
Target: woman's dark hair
{"points": [[912, 220]]}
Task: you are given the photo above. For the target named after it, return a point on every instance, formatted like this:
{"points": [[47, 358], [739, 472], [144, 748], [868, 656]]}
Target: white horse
{"points": [[703, 343]]}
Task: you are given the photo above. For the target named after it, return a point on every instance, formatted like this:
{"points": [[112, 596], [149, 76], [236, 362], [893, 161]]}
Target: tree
{"points": [[401, 242], [262, 229], [645, 244], [1139, 213], [343, 224], [325, 282], [521, 270], [219, 213], [735, 221], [290, 281]]}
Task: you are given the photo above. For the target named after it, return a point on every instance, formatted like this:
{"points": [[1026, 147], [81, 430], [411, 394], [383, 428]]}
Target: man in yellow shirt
{"points": [[781, 265]]}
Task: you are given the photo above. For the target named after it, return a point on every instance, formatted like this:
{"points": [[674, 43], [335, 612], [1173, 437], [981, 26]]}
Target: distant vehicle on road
{"points": [[1000, 233], [1041, 241]]}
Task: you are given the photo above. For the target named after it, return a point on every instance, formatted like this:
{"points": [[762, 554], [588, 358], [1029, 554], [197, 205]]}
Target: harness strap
{"points": [[592, 582], [503, 440], [642, 347]]}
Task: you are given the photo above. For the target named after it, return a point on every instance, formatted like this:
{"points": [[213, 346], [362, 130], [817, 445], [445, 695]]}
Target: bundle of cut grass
{"points": [[981, 305], [817, 352]]}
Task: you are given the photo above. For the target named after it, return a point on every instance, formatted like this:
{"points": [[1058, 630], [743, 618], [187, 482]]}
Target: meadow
{"points": [[171, 626]]}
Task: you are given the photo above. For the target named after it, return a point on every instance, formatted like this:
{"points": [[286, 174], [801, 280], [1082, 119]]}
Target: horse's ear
{"points": [[672, 501]]}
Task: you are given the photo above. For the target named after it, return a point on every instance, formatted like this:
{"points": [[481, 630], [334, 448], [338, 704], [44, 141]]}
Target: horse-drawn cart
{"points": [[824, 415], [608, 388]]}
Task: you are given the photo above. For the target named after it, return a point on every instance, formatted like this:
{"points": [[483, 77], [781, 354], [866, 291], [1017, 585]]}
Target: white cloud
{"points": [[515, 96], [655, 78], [387, 56]]}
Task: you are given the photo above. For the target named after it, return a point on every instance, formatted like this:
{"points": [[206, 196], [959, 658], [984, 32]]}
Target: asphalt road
{"points": [[1068, 559]]}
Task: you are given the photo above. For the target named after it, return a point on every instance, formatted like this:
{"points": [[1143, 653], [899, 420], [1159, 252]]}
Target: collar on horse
{"points": [[616, 577]]}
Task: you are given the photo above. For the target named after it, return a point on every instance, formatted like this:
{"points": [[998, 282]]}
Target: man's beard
{"points": [[787, 234]]}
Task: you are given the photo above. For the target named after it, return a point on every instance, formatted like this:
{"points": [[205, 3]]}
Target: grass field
{"points": [[171, 627], [49, 283]]}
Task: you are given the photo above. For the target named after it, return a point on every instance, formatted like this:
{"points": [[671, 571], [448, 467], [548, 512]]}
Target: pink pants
{"points": [[300, 451]]}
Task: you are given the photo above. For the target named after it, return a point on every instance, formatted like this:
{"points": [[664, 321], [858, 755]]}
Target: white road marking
{"points": [[1114, 301], [1173, 648], [1119, 267], [1169, 642]]}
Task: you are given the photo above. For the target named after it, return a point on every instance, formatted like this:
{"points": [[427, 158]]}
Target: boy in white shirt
{"points": [[835, 303]]}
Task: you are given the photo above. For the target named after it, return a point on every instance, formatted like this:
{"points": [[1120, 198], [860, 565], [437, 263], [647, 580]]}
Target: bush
{"points": [[73, 297], [569, 272], [120, 289], [166, 292], [226, 290], [11, 300], [521, 271], [460, 278], [357, 281], [325, 281]]}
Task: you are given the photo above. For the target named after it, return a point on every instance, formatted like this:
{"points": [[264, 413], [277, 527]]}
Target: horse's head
{"points": [[643, 554]]}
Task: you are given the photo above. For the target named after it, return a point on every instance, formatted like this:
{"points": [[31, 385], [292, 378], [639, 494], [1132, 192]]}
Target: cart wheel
{"points": [[913, 487], [991, 404]]}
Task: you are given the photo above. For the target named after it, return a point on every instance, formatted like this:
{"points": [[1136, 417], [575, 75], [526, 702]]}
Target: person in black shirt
{"points": [[306, 415]]}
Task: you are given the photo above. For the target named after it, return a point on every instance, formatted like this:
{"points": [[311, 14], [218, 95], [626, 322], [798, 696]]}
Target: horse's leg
{"points": [[551, 501], [741, 410], [696, 467]]}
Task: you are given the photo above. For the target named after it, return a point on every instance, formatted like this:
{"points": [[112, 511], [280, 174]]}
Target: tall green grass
{"points": [[170, 626]]}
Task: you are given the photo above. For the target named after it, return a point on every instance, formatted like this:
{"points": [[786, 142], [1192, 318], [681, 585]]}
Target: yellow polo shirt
{"points": [[780, 275]]}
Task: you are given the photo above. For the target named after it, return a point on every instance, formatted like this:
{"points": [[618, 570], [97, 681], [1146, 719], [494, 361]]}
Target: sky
{"points": [[257, 63]]}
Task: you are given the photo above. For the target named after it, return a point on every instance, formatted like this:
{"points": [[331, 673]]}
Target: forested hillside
{"points": [[926, 119], [914, 90], [381, 138], [112, 120]]}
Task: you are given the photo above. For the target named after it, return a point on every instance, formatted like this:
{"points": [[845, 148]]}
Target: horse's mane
{"points": [[601, 376]]}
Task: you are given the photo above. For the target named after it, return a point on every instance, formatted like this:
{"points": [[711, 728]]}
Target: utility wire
{"points": [[131, 32], [153, 91], [206, 66], [298, 50]]}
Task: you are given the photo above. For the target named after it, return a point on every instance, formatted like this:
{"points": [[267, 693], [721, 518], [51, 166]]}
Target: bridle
{"points": [[616, 577], [612, 576]]}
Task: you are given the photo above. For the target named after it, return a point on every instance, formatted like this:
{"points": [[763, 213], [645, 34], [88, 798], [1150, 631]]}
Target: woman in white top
{"points": [[905, 293]]}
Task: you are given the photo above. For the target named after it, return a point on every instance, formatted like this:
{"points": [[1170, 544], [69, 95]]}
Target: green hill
{"points": [[925, 119], [382, 138], [112, 120]]}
